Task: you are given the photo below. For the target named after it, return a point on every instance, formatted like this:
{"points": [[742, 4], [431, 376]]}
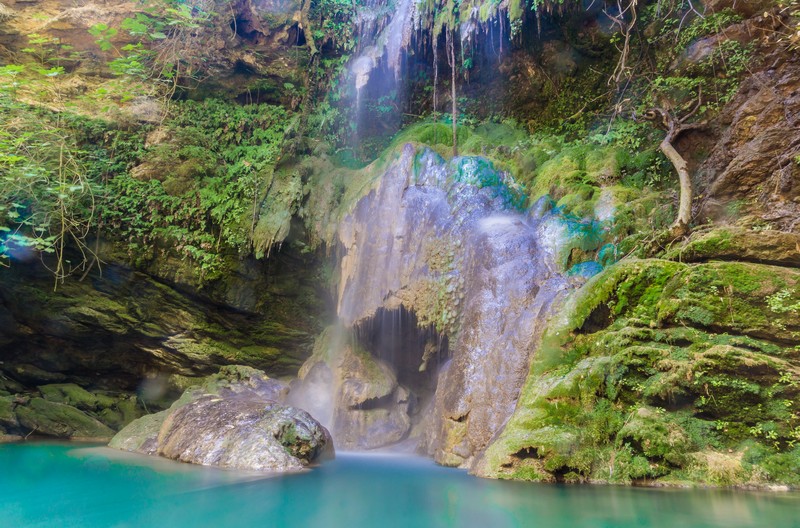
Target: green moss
{"points": [[8, 419], [633, 381], [57, 419], [70, 394]]}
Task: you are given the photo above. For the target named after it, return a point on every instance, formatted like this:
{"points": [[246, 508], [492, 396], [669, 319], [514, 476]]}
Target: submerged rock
{"points": [[231, 420]]}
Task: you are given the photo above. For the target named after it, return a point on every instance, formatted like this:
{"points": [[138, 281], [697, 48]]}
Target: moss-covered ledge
{"points": [[664, 373]]}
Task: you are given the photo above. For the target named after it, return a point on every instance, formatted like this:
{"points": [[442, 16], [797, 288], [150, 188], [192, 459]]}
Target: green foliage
{"points": [[49, 188], [691, 69], [214, 171], [334, 23], [783, 302], [170, 48], [104, 34], [709, 24]]}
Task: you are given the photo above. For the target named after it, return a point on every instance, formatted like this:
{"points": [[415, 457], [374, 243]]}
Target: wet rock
{"points": [[242, 434], [448, 243], [62, 421], [357, 395], [371, 407], [230, 421]]}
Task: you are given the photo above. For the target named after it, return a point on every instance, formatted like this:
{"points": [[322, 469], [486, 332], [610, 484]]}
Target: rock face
{"points": [[353, 393], [248, 39], [751, 166], [115, 331], [665, 371], [438, 251], [232, 420]]}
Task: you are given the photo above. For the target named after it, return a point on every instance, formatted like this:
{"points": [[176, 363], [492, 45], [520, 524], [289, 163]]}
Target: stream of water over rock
{"points": [[445, 284]]}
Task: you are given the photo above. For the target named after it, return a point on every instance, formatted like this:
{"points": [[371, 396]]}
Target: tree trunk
{"points": [[681, 225]]}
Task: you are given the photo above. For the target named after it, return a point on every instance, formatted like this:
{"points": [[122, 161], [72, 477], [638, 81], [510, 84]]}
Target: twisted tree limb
{"points": [[674, 128]]}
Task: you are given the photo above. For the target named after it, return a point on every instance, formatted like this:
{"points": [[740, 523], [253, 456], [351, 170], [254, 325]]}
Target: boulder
{"points": [[243, 434], [233, 419]]}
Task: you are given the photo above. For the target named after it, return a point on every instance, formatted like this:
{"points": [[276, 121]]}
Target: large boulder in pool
{"points": [[229, 421], [243, 434]]}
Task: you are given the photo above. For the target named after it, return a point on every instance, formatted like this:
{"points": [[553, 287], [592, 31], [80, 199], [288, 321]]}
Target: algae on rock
{"points": [[662, 371]]}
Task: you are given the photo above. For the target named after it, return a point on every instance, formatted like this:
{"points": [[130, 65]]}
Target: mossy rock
{"points": [[734, 297], [8, 419], [70, 394], [661, 370], [118, 412], [140, 435], [59, 420], [738, 243], [9, 385]]}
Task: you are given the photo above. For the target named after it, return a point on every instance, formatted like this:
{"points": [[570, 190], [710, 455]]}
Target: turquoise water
{"points": [[61, 485]]}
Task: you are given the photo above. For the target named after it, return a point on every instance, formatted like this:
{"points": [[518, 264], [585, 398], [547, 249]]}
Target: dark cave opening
{"points": [[414, 352]]}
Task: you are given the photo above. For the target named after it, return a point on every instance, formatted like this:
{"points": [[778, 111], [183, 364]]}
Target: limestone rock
{"points": [[57, 419], [242, 434], [70, 394], [737, 243], [447, 242], [356, 394], [231, 420]]}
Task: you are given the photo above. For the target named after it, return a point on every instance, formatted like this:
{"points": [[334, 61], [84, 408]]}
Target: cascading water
{"points": [[444, 287], [397, 45], [382, 33]]}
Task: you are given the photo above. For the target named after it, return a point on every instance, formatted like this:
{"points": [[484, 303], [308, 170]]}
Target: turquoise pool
{"points": [[44, 484]]}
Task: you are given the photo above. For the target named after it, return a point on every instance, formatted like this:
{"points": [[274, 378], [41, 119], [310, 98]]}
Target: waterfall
{"points": [[444, 286], [382, 37]]}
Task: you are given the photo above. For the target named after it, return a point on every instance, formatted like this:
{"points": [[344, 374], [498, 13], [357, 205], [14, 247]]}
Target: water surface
{"points": [[64, 485]]}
